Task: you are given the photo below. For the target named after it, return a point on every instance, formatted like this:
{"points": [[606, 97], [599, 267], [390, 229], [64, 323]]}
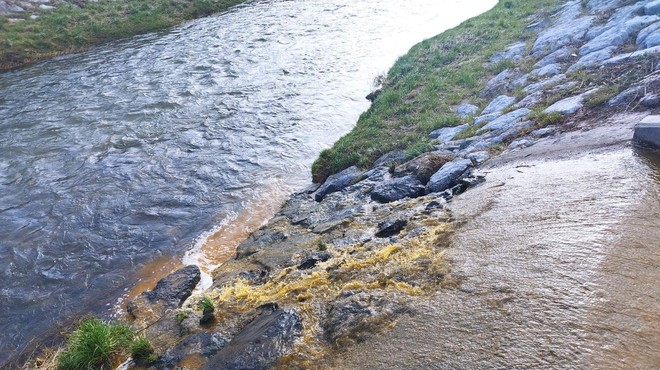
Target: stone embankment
{"points": [[340, 260]]}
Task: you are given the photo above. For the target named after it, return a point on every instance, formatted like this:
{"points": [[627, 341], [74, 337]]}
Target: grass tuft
{"points": [[142, 352], [95, 345], [206, 305]]}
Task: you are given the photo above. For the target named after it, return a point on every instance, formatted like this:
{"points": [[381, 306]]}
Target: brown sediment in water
{"points": [[216, 248]]}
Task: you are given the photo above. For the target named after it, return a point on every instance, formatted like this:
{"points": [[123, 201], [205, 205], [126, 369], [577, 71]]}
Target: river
{"points": [[135, 151]]}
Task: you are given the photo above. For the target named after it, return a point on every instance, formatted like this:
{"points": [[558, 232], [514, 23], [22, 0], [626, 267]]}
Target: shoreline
{"points": [[372, 245], [41, 34]]}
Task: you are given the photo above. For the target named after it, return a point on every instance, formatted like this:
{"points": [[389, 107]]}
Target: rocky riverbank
{"points": [[345, 260]]}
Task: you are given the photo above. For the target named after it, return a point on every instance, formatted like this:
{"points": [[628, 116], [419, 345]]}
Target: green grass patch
{"points": [[602, 96], [543, 119], [425, 84], [142, 352], [68, 29], [95, 345], [206, 305]]}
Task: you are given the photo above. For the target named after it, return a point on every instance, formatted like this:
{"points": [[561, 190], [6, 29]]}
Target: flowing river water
{"points": [[114, 160]]}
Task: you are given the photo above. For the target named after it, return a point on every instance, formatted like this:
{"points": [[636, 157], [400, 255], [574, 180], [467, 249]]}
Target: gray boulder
{"points": [[391, 158], [623, 58], [504, 81], [558, 56], [498, 104], [423, 166], [175, 288], [593, 59], [548, 70], [570, 105], [530, 100], [478, 157], [337, 182], [627, 96], [650, 100], [352, 315], [644, 33], [261, 342], [532, 88], [448, 175], [601, 6], [619, 35], [647, 132], [465, 110], [502, 123], [398, 188], [561, 34], [653, 39], [514, 52], [447, 133], [652, 8], [486, 118]]}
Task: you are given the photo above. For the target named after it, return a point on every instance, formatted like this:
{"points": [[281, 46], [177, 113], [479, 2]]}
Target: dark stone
{"points": [[261, 342], [423, 167], [207, 319], [390, 227], [373, 95], [448, 175], [172, 290], [396, 189], [259, 240], [204, 344], [353, 315], [337, 182], [434, 204], [314, 260]]}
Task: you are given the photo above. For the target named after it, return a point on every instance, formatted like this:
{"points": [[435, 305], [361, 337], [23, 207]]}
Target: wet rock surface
{"points": [[169, 293], [260, 343]]}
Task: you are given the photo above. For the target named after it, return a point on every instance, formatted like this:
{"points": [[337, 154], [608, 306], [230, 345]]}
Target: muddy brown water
{"points": [[558, 263]]}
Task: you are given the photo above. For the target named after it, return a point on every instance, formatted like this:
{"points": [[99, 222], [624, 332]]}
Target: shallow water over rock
{"points": [[129, 152], [556, 264]]}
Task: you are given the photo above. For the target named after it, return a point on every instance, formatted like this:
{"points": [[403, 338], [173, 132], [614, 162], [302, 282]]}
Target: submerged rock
{"points": [[353, 315], [399, 188], [448, 175], [337, 182], [261, 342]]}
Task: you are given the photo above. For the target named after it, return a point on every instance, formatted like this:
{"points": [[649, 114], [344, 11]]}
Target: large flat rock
{"points": [[647, 132]]}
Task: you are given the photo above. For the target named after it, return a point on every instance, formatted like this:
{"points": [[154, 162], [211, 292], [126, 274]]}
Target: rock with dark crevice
{"points": [[448, 175], [260, 343], [390, 227], [353, 315], [338, 182], [396, 189], [314, 259], [423, 166], [170, 292]]}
